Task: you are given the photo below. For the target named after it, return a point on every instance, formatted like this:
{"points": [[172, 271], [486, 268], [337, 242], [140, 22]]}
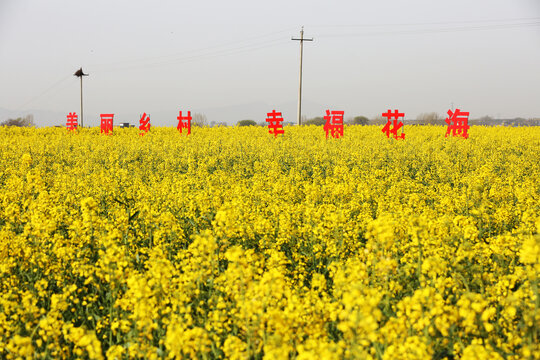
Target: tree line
{"points": [[429, 118], [26, 121]]}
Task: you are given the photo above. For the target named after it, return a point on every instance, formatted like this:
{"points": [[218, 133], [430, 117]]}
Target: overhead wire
{"points": [[181, 57], [435, 30], [254, 43], [44, 92], [426, 23], [207, 55], [207, 50]]}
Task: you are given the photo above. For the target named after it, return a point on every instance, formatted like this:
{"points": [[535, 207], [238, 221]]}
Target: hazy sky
{"points": [[367, 56]]}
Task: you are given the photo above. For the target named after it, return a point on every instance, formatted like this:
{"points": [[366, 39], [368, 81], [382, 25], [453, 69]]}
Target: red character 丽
{"points": [[107, 123]]}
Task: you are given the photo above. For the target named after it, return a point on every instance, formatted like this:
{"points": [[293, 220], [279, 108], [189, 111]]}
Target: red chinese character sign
{"points": [[334, 123], [184, 122], [71, 123], [144, 124], [107, 123], [458, 123], [395, 124], [275, 123]]}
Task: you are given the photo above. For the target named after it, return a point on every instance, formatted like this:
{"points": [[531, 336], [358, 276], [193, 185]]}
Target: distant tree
{"points": [[246, 123], [519, 121], [534, 121], [431, 118], [27, 121], [315, 121], [378, 120], [359, 120], [199, 120], [484, 120]]}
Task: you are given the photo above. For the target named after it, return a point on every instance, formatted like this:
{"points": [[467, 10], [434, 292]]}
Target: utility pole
{"points": [[301, 39], [79, 73]]}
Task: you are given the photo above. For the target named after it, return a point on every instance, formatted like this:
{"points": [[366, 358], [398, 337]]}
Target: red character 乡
{"points": [[144, 124]]}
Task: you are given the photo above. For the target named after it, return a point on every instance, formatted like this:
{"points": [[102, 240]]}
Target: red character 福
{"points": [[71, 123], [396, 126], [186, 125], [334, 123], [275, 123], [458, 123], [144, 124], [107, 123]]}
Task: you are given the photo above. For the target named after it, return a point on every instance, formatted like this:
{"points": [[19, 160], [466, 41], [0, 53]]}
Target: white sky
{"points": [[163, 56]]}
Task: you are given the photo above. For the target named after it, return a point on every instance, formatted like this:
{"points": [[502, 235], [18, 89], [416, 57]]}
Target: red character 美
{"points": [[71, 123]]}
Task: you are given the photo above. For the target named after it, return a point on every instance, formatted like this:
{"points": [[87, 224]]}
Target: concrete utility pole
{"points": [[301, 39], [79, 73]]}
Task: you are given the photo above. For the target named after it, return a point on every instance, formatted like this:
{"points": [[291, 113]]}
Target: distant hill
{"points": [[167, 117], [41, 117]]}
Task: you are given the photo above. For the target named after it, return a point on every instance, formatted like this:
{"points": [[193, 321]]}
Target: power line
{"points": [[436, 30], [428, 23], [204, 50], [184, 59], [212, 54], [56, 84]]}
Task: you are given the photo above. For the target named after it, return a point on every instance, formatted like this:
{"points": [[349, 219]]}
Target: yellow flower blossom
{"points": [[232, 244]]}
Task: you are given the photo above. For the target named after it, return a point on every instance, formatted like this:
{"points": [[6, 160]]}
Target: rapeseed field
{"points": [[232, 244]]}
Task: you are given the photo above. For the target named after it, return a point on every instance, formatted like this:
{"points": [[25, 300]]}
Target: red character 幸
{"points": [[275, 123]]}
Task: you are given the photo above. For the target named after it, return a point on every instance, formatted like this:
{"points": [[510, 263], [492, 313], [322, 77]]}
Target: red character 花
{"points": [[458, 123], [144, 124], [396, 126], [334, 123], [275, 123], [184, 125], [71, 123], [107, 123]]}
